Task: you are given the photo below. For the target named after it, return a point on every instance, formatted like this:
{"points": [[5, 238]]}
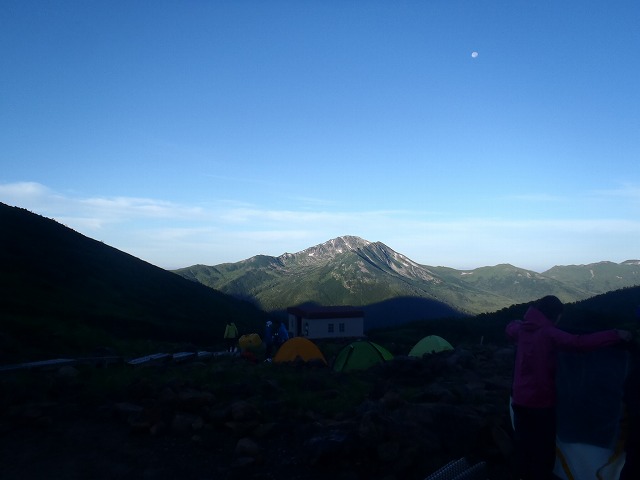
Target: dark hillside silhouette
{"points": [[62, 292], [617, 307]]}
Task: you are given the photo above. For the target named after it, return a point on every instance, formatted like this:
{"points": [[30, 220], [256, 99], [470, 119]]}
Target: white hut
{"points": [[326, 322]]}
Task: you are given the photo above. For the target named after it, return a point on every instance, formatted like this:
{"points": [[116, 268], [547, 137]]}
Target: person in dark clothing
{"points": [[268, 340], [283, 334]]}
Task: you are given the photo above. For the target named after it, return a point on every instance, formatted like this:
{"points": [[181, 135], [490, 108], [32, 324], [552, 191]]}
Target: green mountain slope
{"points": [[63, 292], [598, 277], [517, 284]]}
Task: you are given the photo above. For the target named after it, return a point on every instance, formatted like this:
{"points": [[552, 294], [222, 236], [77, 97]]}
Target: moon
{"points": [[474, 54]]}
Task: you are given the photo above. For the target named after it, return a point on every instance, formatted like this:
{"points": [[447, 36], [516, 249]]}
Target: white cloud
{"points": [[26, 194], [94, 212], [130, 207]]}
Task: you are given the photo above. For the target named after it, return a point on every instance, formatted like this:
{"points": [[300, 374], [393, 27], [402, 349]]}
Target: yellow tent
{"points": [[298, 348], [250, 341]]}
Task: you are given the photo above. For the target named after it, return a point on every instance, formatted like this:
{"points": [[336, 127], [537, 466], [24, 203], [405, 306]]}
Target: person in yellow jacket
{"points": [[231, 336]]}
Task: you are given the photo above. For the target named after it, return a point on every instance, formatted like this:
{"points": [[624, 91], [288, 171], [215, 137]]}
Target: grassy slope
{"points": [[598, 277]]}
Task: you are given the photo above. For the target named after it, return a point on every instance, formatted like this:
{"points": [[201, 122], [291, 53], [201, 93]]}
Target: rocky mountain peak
{"points": [[366, 254], [330, 249]]}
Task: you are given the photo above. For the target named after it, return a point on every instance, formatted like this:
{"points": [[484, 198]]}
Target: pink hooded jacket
{"points": [[538, 342]]}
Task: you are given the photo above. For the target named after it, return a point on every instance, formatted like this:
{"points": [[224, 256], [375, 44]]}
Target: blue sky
{"points": [[211, 131]]}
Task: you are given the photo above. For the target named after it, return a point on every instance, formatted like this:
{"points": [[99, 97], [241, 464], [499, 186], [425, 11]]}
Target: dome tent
{"points": [[298, 348], [360, 355], [430, 344], [250, 341]]}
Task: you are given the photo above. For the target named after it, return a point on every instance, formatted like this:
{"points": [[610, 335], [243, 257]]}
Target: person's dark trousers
{"points": [[535, 439]]}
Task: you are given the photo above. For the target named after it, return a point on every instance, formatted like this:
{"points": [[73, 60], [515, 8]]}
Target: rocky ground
{"points": [[413, 416]]}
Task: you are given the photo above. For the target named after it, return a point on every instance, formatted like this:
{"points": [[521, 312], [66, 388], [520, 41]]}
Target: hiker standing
{"points": [[283, 334], [538, 341], [230, 336], [268, 339]]}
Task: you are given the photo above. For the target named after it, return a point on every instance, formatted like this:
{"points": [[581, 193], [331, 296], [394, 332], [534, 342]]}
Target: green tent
{"points": [[430, 344], [360, 355]]}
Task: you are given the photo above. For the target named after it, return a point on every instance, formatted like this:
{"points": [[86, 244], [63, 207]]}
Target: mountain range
{"points": [[392, 288], [62, 292]]}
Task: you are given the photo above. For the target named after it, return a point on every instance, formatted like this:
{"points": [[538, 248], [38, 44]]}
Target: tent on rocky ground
{"points": [[299, 349], [360, 355], [430, 344]]}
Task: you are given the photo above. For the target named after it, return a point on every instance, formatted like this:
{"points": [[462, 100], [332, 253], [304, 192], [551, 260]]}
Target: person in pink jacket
{"points": [[538, 341]]}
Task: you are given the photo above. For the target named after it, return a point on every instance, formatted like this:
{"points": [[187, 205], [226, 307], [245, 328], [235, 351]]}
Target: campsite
{"points": [[345, 410], [129, 378]]}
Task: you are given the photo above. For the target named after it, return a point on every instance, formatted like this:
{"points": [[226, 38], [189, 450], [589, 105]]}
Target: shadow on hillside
{"points": [[402, 310]]}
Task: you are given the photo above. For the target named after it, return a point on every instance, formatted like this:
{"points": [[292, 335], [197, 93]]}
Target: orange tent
{"points": [[298, 348]]}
